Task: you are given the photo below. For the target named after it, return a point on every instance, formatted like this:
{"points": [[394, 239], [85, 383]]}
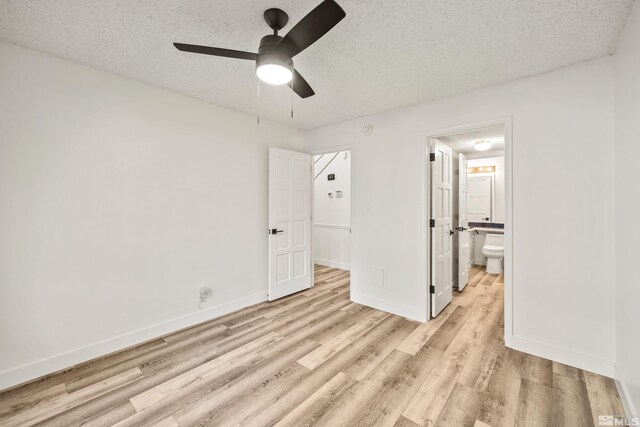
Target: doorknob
{"points": [[275, 231], [451, 232], [461, 229]]}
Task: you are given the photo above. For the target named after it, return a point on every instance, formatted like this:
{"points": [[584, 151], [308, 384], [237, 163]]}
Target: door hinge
{"points": [[432, 289], [432, 223], [432, 157]]}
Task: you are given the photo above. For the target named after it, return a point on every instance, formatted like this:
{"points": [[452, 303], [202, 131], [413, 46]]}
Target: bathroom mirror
{"points": [[485, 199]]}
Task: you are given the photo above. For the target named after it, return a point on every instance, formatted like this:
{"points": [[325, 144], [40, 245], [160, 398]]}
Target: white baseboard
{"points": [[389, 307], [563, 355], [333, 264], [629, 408], [33, 370]]}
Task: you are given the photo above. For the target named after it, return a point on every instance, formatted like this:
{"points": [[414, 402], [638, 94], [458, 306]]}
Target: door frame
{"points": [[328, 150], [507, 122]]}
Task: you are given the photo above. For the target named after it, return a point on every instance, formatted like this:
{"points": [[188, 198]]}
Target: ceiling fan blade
{"points": [[316, 24], [300, 86], [216, 51]]}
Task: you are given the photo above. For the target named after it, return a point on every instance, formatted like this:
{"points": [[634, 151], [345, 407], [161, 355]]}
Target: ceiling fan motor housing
{"points": [[269, 54]]}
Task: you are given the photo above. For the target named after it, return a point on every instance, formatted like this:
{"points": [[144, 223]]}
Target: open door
{"points": [[463, 224], [479, 206], [441, 228], [289, 222]]}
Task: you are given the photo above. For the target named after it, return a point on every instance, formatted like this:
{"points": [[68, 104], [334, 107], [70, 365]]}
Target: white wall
{"points": [[569, 113], [119, 201], [332, 215], [333, 210], [627, 152], [477, 243], [498, 196]]}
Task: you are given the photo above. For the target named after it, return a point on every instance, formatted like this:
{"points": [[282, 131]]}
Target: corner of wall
{"points": [[389, 307], [563, 355], [624, 393]]}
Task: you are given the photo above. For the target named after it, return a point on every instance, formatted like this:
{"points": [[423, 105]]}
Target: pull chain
{"points": [[258, 101], [292, 83]]}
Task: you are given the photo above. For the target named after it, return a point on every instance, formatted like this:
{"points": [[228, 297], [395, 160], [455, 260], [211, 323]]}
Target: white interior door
{"points": [[289, 222], [479, 206], [463, 224], [441, 228]]}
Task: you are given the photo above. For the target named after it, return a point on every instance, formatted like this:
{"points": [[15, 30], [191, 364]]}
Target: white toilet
{"points": [[494, 251]]}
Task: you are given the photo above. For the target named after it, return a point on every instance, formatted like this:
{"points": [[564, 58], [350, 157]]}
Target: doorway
{"points": [[467, 185], [331, 231], [309, 218]]}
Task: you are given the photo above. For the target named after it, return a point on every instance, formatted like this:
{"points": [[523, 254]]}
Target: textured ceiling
{"points": [[463, 142], [383, 55]]}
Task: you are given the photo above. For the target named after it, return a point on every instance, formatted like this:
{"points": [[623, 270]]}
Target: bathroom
{"points": [[477, 202], [485, 204]]}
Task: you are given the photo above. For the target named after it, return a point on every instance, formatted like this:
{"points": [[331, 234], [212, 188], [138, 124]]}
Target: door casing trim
{"points": [[425, 269]]}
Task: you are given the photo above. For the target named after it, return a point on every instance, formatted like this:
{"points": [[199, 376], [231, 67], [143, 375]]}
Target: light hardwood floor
{"points": [[315, 358]]}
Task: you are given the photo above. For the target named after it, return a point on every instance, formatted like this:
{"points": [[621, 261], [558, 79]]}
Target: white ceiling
{"points": [[463, 142], [383, 55]]}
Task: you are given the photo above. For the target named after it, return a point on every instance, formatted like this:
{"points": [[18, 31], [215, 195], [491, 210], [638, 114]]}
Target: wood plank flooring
{"points": [[315, 358]]}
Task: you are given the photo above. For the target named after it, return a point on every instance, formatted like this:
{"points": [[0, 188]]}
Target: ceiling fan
{"points": [[274, 63]]}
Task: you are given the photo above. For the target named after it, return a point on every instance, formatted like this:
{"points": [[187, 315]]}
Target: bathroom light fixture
{"points": [[274, 69], [483, 145], [482, 169]]}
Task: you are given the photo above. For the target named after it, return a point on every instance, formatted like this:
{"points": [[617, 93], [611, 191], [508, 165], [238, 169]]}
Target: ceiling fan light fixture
{"points": [[273, 59], [483, 145], [274, 69], [274, 74]]}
